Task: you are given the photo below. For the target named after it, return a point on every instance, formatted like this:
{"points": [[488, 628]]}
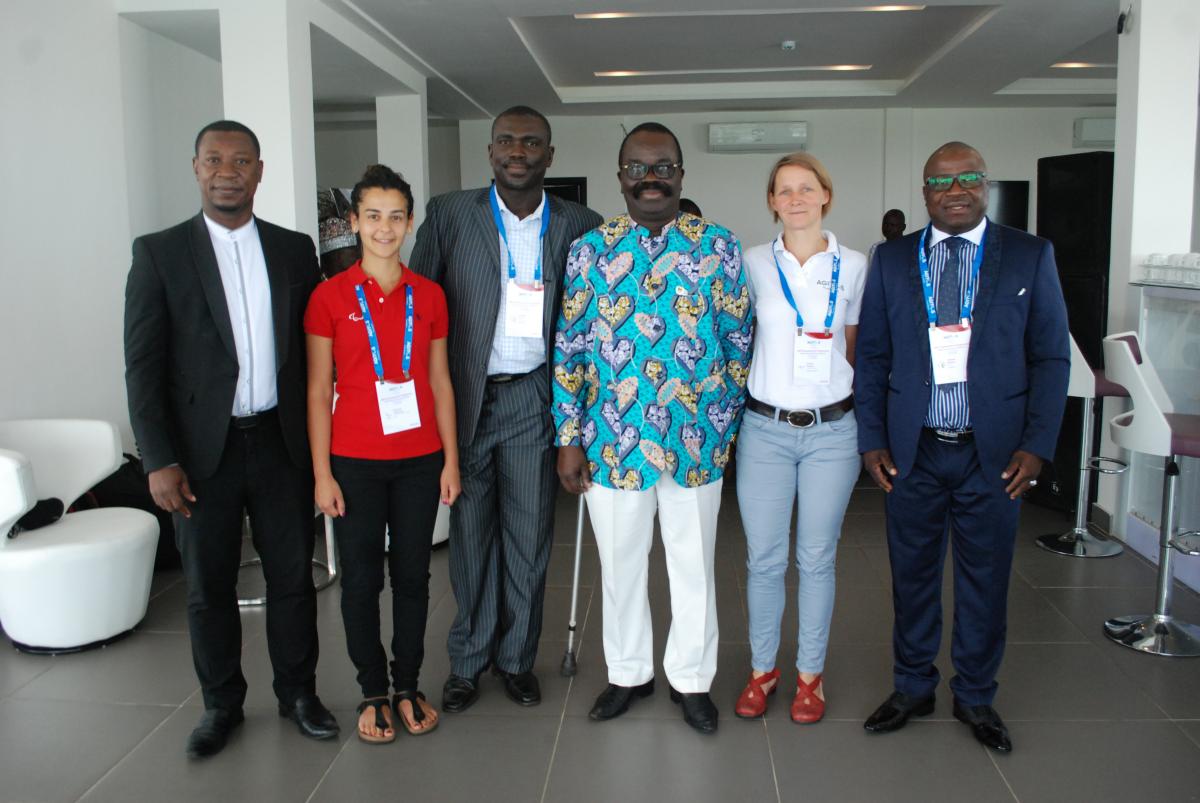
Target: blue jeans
{"points": [[777, 463]]}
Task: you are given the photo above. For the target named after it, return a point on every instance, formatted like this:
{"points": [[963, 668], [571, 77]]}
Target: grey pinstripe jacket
{"points": [[458, 247]]}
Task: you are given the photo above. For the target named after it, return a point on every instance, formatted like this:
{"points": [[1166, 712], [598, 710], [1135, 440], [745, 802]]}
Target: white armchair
{"points": [[85, 579]]}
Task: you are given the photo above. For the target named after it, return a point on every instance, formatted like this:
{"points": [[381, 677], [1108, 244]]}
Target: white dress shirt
{"points": [[248, 296], [517, 355], [775, 328]]}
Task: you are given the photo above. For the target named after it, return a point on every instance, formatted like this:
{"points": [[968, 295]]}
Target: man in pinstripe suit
{"points": [[499, 253]]}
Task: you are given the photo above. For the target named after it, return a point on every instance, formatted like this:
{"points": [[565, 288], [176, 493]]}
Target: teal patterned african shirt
{"points": [[652, 350]]}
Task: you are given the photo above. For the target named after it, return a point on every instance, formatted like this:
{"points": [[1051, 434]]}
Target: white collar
{"points": [[215, 229], [535, 215], [975, 235], [831, 248]]}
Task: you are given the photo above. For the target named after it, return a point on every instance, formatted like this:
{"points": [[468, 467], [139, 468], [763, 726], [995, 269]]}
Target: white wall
{"points": [[65, 214], [445, 172], [343, 154], [170, 92], [731, 188]]}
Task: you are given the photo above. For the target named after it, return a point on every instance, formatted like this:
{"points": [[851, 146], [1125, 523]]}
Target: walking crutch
{"points": [[569, 665]]}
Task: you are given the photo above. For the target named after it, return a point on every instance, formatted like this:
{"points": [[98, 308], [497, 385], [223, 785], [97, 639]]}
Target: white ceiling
{"points": [[482, 56], [491, 54]]}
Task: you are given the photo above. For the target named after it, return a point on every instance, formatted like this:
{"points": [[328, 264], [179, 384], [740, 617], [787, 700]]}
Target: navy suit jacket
{"points": [[1017, 366]]}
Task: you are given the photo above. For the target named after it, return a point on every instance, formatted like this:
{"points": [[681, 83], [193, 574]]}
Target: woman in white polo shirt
{"points": [[798, 440]]}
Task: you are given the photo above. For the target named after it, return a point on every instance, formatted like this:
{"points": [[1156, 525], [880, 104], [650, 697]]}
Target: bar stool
{"points": [[330, 564], [1088, 384], [1153, 428]]}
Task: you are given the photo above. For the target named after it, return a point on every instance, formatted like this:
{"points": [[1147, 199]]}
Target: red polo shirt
{"points": [[333, 312]]}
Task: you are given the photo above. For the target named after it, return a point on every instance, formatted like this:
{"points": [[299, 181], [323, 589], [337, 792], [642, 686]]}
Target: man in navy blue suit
{"points": [[959, 388]]}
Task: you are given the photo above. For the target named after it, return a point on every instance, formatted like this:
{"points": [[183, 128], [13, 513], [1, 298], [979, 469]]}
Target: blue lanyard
{"points": [[376, 358], [927, 280], [833, 291], [493, 197]]}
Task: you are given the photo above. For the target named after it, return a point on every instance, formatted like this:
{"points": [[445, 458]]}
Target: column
{"points": [[266, 65], [400, 125], [1158, 74]]}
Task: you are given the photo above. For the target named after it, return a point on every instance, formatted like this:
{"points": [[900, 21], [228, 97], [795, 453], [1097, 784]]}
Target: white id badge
{"points": [[949, 346], [523, 310], [398, 406], [812, 358]]}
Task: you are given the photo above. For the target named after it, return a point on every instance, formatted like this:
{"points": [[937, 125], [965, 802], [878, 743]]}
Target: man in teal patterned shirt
{"points": [[650, 366]]}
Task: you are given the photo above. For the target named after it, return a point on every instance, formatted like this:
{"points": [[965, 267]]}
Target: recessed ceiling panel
{"points": [[739, 48]]}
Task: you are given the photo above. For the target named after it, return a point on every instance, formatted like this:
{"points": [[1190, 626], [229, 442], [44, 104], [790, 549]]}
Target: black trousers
{"points": [[400, 498], [257, 476]]}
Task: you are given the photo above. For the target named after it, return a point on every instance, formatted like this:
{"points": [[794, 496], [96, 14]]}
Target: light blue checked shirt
{"points": [[517, 355], [948, 404]]}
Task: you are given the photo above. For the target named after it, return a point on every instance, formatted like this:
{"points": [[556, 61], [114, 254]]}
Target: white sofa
{"points": [[84, 579]]}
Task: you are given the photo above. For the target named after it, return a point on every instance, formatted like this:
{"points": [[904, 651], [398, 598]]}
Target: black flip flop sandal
{"points": [[378, 703], [412, 696]]}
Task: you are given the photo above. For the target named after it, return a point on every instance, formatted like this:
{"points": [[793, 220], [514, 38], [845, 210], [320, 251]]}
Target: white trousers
{"points": [[624, 525]]}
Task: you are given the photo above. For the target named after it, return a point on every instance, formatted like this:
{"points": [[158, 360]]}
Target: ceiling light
{"points": [[617, 15], [1080, 65], [733, 71]]}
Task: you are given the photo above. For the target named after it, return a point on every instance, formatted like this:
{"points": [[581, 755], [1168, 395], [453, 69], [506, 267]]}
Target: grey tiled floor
{"points": [[1091, 721]]}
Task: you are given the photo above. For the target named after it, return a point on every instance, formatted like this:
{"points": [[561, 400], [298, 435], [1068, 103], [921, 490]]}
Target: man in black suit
{"points": [[499, 254], [215, 372]]}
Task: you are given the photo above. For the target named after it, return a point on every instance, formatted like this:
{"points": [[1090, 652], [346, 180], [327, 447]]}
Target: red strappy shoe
{"points": [[807, 707], [753, 700]]}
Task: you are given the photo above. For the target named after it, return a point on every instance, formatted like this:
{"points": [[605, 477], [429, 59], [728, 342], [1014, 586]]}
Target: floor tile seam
{"points": [[1137, 679], [162, 631], [130, 752], [771, 760], [1000, 771], [562, 716], [97, 700], [12, 694], [328, 769], [1125, 587], [165, 589], [1194, 739]]}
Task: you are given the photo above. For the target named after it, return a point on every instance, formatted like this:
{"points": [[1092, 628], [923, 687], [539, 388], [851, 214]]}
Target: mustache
{"points": [[642, 186]]}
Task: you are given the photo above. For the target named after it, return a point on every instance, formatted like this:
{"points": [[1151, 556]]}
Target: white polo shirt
{"points": [[775, 327]]}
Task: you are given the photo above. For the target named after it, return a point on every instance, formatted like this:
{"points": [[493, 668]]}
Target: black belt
{"points": [[252, 421], [802, 419], [952, 436], [503, 379]]}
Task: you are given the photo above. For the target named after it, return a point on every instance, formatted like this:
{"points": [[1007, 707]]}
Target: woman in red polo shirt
{"points": [[387, 452]]}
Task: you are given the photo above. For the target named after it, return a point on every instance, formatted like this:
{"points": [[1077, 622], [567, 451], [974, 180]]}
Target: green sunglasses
{"points": [[968, 181]]}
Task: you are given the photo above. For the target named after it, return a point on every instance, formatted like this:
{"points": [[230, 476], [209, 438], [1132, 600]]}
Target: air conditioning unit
{"points": [[1095, 132], [757, 137]]}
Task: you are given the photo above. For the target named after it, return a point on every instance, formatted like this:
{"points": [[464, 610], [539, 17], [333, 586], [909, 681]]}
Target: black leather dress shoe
{"points": [[311, 716], [615, 700], [895, 711], [459, 693], [522, 688], [986, 724], [698, 710], [212, 732]]}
